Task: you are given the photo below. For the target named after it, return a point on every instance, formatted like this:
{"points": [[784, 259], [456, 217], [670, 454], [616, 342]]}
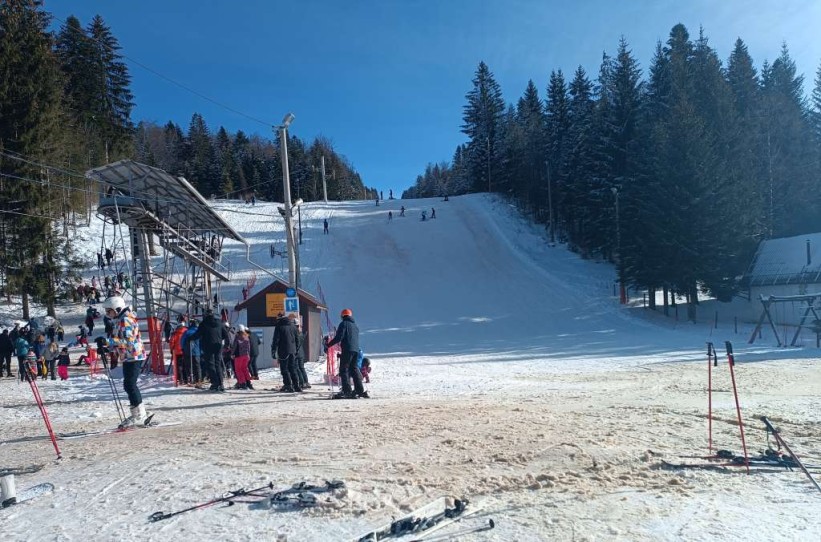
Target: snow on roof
{"points": [[785, 261]]}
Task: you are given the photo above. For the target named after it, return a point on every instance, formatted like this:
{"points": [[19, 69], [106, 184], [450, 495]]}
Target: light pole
{"points": [[488, 162], [550, 204], [286, 194], [622, 291]]}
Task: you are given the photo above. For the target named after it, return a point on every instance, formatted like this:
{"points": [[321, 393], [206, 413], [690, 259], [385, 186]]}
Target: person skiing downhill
{"points": [[347, 335], [127, 340]]}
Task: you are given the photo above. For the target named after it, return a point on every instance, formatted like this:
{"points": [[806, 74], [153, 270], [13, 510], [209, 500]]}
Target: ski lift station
{"points": [[153, 204]]}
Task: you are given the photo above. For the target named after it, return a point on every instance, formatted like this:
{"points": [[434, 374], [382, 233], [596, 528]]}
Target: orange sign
{"points": [[274, 304]]}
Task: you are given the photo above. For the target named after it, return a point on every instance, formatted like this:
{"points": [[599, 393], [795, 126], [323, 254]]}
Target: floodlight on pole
{"points": [[622, 289], [286, 193]]}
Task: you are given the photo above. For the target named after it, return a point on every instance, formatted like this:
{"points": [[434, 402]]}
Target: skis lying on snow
{"points": [[31, 493], [302, 494], [299, 495], [31, 469], [434, 515], [83, 434]]}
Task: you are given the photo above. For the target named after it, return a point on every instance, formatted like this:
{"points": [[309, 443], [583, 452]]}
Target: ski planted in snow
{"points": [[28, 494]]}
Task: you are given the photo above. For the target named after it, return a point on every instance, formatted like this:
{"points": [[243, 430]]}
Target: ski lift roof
{"points": [[180, 204]]}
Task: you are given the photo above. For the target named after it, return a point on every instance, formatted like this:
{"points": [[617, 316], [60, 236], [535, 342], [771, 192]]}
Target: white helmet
{"points": [[242, 328], [114, 302]]}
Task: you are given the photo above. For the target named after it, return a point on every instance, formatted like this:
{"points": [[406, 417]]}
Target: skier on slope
{"points": [[347, 335], [127, 340]]}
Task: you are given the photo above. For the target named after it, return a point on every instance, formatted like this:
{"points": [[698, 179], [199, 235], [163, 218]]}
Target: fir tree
{"points": [[30, 127], [481, 123]]}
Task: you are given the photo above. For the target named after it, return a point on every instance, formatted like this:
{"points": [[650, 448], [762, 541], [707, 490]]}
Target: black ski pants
{"points": [[21, 368], [349, 369], [252, 367], [301, 373], [131, 371], [290, 378], [5, 363], [213, 361]]}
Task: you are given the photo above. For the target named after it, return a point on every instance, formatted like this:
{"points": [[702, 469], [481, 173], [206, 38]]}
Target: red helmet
{"points": [[346, 312]]}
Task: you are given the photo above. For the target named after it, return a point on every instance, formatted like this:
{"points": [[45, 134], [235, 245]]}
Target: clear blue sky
{"points": [[385, 80]]}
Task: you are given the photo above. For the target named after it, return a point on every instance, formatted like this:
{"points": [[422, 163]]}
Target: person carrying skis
{"points": [[128, 342], [283, 348], [347, 336]]}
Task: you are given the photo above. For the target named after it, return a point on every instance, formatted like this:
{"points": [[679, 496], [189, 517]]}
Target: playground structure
{"points": [[772, 302], [185, 278]]}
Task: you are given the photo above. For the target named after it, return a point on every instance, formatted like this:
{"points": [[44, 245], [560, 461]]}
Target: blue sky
{"points": [[386, 80]]}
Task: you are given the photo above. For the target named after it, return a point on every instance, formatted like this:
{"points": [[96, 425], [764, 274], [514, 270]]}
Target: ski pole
{"points": [[42, 406], [158, 516], [731, 360], [780, 441], [468, 530], [710, 352], [118, 403]]}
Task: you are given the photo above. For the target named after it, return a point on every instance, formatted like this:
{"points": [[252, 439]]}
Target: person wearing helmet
{"points": [[347, 336], [126, 339]]}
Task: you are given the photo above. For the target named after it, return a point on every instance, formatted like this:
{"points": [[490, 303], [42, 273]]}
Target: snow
{"points": [[504, 371]]}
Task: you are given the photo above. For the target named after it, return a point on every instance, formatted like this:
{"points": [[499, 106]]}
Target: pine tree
{"points": [[200, 166], [577, 166], [787, 150], [30, 127], [112, 100], [481, 123], [553, 193]]}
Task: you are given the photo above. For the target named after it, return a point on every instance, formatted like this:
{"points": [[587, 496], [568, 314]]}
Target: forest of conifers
{"points": [[675, 173]]}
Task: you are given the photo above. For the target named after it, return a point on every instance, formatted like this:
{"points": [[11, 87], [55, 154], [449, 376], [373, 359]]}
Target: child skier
{"points": [[63, 361]]}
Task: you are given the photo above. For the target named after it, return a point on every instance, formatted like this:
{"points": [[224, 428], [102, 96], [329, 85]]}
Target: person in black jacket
{"points": [[301, 374], [6, 350], [212, 336], [283, 348], [347, 336], [252, 365]]}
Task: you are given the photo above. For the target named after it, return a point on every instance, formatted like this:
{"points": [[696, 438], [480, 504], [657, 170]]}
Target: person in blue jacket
{"points": [[347, 336]]}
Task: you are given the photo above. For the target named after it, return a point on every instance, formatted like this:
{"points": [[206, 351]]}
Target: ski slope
{"points": [[504, 371]]}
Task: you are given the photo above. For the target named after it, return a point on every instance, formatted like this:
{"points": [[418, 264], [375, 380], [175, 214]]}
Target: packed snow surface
{"points": [[504, 371]]}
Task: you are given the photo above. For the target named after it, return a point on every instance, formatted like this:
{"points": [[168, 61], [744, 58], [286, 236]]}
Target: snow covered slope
{"points": [[504, 371]]}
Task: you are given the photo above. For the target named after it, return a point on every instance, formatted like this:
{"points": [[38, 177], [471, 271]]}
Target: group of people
{"points": [[36, 356], [213, 351], [97, 289]]}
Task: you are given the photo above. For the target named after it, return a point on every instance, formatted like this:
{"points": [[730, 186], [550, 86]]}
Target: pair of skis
{"points": [[299, 495], [430, 518]]}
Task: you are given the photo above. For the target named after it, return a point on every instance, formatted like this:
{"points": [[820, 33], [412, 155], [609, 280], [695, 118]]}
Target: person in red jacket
{"points": [[175, 344]]}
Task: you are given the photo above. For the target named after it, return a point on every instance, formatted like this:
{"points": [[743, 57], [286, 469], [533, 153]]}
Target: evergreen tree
{"points": [[787, 150], [481, 123], [30, 127], [200, 164], [578, 216], [554, 193]]}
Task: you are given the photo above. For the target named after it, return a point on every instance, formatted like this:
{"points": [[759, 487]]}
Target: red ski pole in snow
{"points": [[731, 360], [39, 399]]}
